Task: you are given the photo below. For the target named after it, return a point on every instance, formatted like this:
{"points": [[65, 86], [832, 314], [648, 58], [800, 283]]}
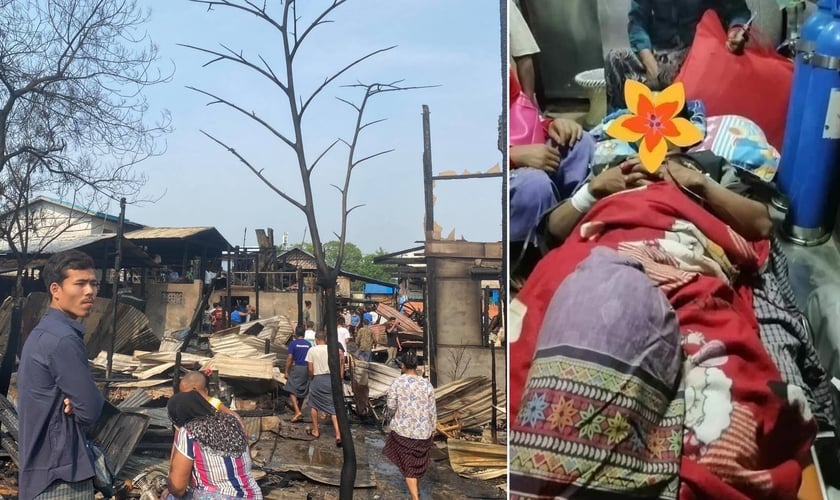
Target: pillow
{"points": [[742, 143]]}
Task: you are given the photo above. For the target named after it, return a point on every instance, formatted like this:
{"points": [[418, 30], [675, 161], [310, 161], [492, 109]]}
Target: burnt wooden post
{"points": [[431, 295], [114, 294], [7, 366], [176, 379], [300, 295], [257, 284], [486, 328], [229, 276]]}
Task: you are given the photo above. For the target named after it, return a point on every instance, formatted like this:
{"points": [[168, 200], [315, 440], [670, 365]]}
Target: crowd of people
{"points": [[59, 403]]}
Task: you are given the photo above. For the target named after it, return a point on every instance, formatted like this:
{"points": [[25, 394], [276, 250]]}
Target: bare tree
{"points": [[284, 21], [72, 75], [26, 229]]}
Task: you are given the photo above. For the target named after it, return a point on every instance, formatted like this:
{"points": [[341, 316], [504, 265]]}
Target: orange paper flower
{"points": [[654, 122]]}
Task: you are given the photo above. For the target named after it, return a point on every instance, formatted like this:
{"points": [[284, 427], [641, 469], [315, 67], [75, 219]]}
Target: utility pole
{"points": [[115, 290]]}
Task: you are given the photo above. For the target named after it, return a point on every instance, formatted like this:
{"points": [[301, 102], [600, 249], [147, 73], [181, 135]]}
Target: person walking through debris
{"points": [[307, 315], [411, 400], [320, 388], [210, 454], [355, 321], [58, 402], [343, 332], [393, 339], [366, 341], [197, 381], [218, 317], [309, 336], [297, 372]]}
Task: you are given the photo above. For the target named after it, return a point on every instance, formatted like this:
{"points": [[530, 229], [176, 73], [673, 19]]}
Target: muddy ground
{"points": [[321, 458], [285, 459]]}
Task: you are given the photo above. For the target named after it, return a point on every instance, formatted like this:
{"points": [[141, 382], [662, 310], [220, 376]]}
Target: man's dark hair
{"points": [[300, 331], [307, 303], [310, 324], [340, 320], [55, 271], [409, 359]]}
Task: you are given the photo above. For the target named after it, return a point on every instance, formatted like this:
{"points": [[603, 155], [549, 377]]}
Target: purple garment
{"points": [[609, 305], [602, 400], [533, 191]]}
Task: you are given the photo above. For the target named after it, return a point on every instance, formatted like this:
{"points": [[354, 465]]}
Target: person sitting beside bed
{"points": [[637, 367], [661, 33], [548, 159]]}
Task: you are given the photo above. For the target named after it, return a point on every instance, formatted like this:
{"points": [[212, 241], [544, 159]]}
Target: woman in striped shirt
{"points": [[210, 455]]}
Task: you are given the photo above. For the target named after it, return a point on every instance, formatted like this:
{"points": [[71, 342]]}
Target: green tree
{"points": [[355, 261]]}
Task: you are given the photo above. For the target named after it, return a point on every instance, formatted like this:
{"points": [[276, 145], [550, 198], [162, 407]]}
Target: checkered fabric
{"points": [[786, 335], [60, 490]]}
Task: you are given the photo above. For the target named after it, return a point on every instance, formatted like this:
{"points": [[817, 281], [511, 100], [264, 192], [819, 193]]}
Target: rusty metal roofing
{"points": [[406, 323]]}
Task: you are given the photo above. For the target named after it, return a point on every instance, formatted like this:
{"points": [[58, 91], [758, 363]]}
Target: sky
{"points": [[452, 45]]}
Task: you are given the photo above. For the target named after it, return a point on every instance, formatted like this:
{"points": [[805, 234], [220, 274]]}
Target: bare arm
{"points": [[180, 469], [747, 217], [289, 362], [527, 75], [563, 218], [561, 221]]}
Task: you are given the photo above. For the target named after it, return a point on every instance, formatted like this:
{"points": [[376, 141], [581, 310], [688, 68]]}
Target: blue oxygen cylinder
{"points": [[810, 214], [811, 29]]}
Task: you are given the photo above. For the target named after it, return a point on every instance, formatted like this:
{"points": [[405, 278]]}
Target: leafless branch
{"points": [[312, 167], [239, 59], [317, 22], [72, 99], [338, 73], [257, 172], [250, 114], [369, 157]]}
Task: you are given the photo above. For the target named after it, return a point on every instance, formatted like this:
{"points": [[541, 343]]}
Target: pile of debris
{"points": [[249, 353], [247, 366]]}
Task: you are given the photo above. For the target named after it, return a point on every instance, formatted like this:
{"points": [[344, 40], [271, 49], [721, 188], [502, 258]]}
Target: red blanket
{"points": [[746, 433]]}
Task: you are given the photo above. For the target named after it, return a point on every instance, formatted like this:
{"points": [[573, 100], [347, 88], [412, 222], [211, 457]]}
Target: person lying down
{"points": [[637, 369]]}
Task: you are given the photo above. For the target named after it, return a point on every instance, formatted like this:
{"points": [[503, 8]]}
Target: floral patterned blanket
{"points": [[746, 433]]}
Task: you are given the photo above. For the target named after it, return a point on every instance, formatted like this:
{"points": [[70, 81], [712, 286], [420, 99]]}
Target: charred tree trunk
{"points": [[326, 282]]}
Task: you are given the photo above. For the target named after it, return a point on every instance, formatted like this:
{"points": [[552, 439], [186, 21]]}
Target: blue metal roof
{"points": [[374, 289]]}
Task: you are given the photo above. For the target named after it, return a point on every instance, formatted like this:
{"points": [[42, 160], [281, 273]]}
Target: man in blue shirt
{"points": [[58, 402], [297, 372], [237, 317], [661, 33]]}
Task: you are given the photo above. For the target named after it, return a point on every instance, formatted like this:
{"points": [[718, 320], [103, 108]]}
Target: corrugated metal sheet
{"points": [[121, 363], [150, 233], [137, 399], [468, 401], [133, 331], [61, 244], [379, 378], [406, 324]]}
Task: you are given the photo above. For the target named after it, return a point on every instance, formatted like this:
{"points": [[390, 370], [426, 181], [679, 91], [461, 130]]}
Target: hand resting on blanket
{"points": [[748, 218]]}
